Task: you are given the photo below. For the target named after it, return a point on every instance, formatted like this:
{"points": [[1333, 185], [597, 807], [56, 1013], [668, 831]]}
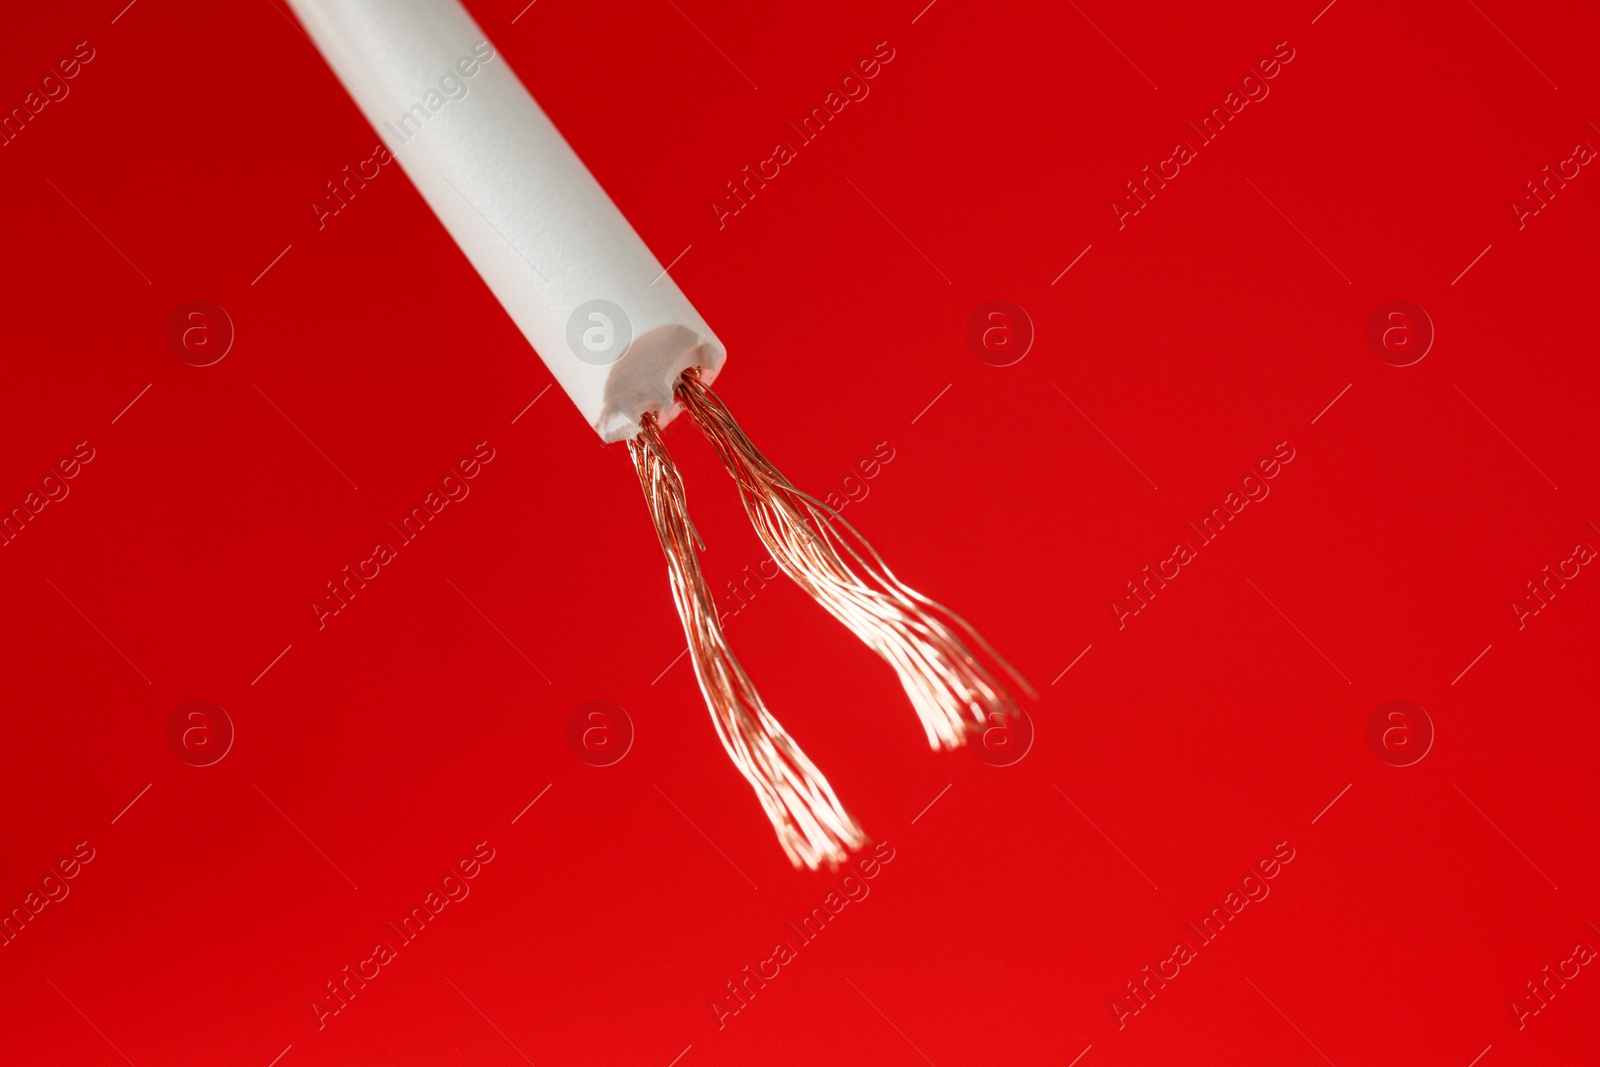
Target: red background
{"points": [[1219, 721]]}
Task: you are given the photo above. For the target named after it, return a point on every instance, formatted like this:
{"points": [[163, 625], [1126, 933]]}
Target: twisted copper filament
{"points": [[812, 826], [929, 646]]}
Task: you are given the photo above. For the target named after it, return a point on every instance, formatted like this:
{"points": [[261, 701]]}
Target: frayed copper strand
{"points": [[925, 643], [812, 825]]}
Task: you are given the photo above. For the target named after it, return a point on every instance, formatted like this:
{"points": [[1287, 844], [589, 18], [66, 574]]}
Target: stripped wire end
{"points": [[930, 647], [812, 826]]}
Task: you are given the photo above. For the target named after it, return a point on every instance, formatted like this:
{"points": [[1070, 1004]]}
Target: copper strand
{"points": [[812, 825], [925, 643]]}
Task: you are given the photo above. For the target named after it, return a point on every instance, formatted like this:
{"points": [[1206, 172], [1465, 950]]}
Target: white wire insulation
{"points": [[579, 282]]}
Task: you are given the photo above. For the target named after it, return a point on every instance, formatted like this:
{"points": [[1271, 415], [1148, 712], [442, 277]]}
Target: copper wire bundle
{"points": [[812, 825], [929, 646]]}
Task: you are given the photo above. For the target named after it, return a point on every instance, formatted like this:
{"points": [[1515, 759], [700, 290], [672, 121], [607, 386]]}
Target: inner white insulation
{"points": [[520, 204]]}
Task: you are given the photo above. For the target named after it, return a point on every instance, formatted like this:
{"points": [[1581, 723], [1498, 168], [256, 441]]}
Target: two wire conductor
{"points": [[939, 658]]}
